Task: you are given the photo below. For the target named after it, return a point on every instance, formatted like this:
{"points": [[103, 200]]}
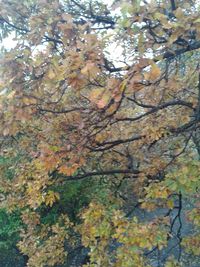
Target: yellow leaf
{"points": [[155, 72], [173, 38], [11, 95], [67, 17], [51, 74], [51, 197], [90, 69], [100, 97], [170, 204], [103, 101], [29, 100], [179, 13]]}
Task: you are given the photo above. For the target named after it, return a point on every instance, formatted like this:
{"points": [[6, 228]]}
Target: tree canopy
{"points": [[90, 138]]}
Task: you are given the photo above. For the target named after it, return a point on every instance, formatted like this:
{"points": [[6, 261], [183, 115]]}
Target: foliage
{"points": [[100, 226], [10, 227], [85, 137]]}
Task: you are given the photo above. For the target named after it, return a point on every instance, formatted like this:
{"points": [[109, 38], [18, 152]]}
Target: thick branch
{"points": [[160, 107], [2, 21], [96, 18], [110, 144], [166, 55], [99, 173], [178, 52], [58, 111]]}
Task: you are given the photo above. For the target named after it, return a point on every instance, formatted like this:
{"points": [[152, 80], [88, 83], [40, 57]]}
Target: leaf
{"points": [[179, 13], [29, 100], [154, 72], [161, 17], [173, 38], [68, 170], [11, 94], [51, 74], [67, 17], [100, 97], [51, 197], [170, 204], [90, 69]]}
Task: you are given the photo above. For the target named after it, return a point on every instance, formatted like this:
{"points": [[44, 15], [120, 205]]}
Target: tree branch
{"points": [[99, 173], [158, 108], [2, 21], [178, 52], [173, 5]]}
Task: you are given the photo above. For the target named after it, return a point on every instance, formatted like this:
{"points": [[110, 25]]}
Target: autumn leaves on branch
{"points": [[73, 113]]}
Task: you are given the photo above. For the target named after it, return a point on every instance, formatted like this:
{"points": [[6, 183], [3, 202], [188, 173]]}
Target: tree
{"points": [[69, 113]]}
